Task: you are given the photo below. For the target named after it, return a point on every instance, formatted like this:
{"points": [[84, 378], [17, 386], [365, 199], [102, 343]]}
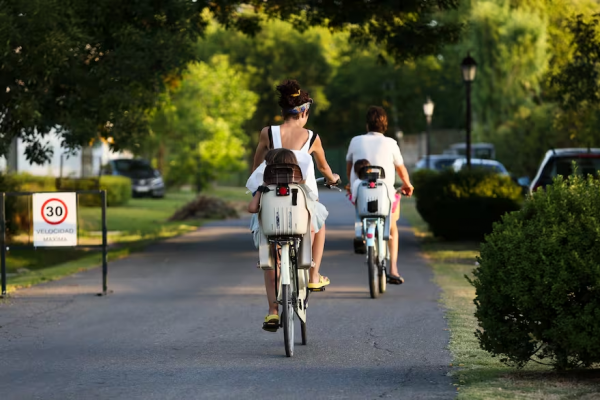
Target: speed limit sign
{"points": [[54, 219]]}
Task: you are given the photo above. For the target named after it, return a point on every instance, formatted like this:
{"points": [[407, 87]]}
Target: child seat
{"points": [[372, 199], [283, 213]]}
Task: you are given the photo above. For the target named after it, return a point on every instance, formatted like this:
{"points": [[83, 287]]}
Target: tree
{"points": [[197, 132], [89, 69]]}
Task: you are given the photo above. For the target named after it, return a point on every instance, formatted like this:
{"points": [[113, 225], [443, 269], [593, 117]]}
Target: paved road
{"points": [[184, 322]]}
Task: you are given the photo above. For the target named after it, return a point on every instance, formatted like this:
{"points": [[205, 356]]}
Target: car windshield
{"points": [[487, 167], [139, 169], [585, 163], [443, 164]]}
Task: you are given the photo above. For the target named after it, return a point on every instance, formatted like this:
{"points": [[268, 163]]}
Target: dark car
{"points": [[560, 162], [145, 180], [437, 162]]}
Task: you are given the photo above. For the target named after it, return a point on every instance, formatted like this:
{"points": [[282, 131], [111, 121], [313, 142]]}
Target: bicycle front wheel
{"points": [[373, 272], [287, 318]]}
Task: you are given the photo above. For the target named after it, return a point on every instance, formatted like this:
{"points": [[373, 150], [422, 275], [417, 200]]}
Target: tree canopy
{"points": [[94, 69]]}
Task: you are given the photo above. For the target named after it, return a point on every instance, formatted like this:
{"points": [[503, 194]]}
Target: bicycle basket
{"points": [[276, 174]]}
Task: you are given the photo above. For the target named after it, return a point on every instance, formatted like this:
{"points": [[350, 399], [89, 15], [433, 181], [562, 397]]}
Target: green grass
{"points": [[130, 227], [477, 375]]}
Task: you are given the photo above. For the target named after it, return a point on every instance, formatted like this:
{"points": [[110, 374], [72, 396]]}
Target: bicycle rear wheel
{"points": [[287, 318], [382, 280], [373, 272], [303, 329]]}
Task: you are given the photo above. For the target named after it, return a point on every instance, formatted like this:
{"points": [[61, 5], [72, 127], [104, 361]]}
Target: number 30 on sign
{"points": [[54, 219]]}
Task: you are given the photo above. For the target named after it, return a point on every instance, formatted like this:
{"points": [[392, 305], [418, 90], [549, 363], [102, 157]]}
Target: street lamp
{"points": [[469, 68], [428, 111]]}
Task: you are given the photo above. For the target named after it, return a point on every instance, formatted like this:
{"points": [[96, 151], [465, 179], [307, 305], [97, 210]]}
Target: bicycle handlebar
{"points": [[328, 186]]}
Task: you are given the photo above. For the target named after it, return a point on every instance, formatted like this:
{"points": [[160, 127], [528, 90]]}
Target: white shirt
{"points": [[379, 150]]}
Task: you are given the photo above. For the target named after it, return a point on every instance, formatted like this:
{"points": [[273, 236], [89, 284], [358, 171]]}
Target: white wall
{"points": [[71, 165]]}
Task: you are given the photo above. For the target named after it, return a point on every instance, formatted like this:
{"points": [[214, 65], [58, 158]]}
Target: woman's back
{"points": [[293, 137]]}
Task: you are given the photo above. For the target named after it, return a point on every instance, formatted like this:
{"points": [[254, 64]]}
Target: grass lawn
{"points": [[130, 228], [477, 375]]}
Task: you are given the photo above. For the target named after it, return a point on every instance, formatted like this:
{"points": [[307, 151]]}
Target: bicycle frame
{"points": [[373, 229], [290, 274]]}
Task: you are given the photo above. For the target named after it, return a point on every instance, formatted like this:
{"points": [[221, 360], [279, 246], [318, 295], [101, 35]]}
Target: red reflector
{"points": [[370, 235], [371, 185], [283, 191]]}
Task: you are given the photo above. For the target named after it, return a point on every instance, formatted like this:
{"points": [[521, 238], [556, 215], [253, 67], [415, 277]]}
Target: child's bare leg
{"points": [[394, 242], [318, 246], [271, 296]]}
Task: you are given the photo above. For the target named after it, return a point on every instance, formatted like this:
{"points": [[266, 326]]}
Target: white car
{"points": [[480, 163]]}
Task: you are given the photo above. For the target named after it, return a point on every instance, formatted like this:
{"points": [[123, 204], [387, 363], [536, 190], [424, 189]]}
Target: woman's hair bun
{"points": [[290, 94]]}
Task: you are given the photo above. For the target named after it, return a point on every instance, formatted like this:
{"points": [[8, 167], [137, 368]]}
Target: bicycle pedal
{"points": [[317, 289]]}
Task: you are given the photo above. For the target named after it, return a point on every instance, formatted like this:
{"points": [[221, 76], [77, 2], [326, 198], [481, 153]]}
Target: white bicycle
{"points": [[372, 224], [285, 222]]}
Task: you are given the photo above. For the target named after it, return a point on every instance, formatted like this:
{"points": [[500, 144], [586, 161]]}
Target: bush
{"points": [[465, 204], [538, 280], [205, 207], [118, 189], [33, 183]]}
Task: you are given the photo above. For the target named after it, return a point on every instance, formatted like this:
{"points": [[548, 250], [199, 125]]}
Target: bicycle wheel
{"points": [[287, 318], [382, 280], [373, 272], [303, 329]]}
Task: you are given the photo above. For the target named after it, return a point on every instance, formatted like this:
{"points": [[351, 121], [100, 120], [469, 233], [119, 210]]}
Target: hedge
{"points": [[18, 208], [118, 189], [465, 204], [538, 280]]}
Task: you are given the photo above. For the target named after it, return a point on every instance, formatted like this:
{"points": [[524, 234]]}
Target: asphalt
{"points": [[184, 322]]}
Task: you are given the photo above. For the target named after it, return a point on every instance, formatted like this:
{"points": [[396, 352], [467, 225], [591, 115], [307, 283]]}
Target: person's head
{"points": [[280, 156], [377, 120], [360, 164], [294, 102]]}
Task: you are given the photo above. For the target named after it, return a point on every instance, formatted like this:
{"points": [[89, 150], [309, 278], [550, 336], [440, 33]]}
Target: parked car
{"points": [[560, 162], [437, 162], [478, 150], [145, 180], [480, 163]]}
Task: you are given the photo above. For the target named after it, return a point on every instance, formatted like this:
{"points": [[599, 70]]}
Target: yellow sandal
{"points": [[321, 284], [271, 323]]}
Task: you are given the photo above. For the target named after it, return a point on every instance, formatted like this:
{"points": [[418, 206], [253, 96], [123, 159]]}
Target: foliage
{"points": [[34, 183], [464, 204], [118, 190], [88, 68], [205, 207], [197, 134], [344, 79], [538, 281], [579, 79]]}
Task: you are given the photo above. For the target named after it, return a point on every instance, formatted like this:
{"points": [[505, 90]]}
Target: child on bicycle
{"points": [[351, 191]]}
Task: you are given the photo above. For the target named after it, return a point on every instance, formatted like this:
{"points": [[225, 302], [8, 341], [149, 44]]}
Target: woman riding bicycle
{"points": [[295, 107]]}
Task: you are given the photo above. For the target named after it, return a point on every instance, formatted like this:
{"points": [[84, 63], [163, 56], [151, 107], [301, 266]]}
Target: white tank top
{"points": [[305, 160]]}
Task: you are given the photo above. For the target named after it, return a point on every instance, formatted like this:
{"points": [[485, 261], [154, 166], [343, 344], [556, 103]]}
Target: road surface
{"points": [[184, 322]]}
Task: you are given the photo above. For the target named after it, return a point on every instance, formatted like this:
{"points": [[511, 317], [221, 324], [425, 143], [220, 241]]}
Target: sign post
{"points": [[54, 225]]}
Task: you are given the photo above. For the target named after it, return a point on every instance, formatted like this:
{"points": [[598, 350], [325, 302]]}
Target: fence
{"points": [[3, 226]]}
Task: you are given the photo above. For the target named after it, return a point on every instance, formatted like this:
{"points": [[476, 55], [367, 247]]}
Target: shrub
{"points": [[118, 189], [465, 204], [33, 183], [205, 207], [538, 279]]}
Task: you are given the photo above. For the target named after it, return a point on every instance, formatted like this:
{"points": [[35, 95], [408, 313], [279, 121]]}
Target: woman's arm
{"points": [[254, 205], [322, 165], [262, 148]]}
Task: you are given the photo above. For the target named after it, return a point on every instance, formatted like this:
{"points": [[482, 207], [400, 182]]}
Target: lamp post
{"points": [[428, 111], [469, 68]]}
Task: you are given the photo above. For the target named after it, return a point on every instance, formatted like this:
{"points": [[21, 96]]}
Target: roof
{"points": [[578, 150]]}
